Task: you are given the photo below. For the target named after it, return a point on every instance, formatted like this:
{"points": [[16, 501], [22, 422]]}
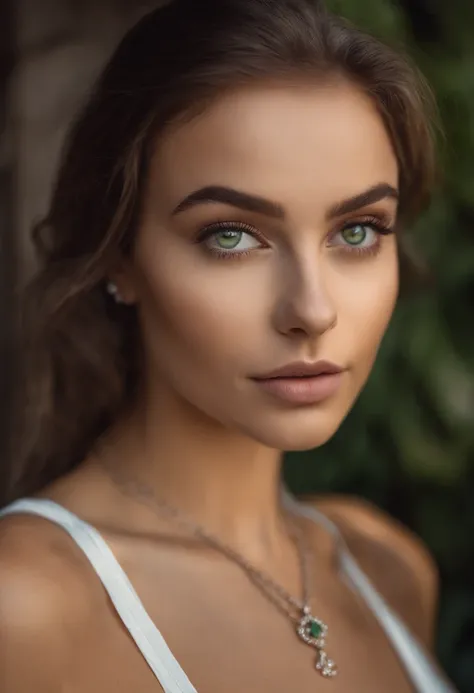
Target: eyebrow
{"points": [[379, 192], [254, 203], [234, 198]]}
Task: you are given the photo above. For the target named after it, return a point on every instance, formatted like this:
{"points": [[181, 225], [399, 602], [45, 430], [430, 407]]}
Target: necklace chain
{"points": [[277, 593], [311, 630]]}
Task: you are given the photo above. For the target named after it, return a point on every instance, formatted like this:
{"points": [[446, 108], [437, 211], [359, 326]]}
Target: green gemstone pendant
{"points": [[313, 632]]}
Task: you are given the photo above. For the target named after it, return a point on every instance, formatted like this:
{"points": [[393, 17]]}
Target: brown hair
{"points": [[78, 346]]}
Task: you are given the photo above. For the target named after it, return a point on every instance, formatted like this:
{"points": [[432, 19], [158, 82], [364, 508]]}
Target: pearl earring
{"points": [[112, 289]]}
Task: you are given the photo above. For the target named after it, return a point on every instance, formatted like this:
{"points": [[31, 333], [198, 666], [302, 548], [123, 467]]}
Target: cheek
{"points": [[200, 314], [367, 310]]}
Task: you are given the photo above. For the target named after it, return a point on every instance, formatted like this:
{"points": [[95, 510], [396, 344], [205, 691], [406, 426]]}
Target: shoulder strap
{"points": [[414, 658], [151, 643], [129, 607]]}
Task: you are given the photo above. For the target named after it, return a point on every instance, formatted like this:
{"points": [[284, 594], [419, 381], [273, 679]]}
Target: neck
{"points": [[222, 480]]}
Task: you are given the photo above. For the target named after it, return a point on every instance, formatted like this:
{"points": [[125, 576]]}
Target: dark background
{"points": [[408, 445]]}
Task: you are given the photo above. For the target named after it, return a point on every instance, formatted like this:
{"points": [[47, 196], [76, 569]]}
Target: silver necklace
{"points": [[310, 629]]}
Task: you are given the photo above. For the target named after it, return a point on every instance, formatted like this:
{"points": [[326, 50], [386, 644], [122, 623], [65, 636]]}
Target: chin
{"points": [[296, 432]]}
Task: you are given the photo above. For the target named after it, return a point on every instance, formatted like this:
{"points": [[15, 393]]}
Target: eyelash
{"points": [[382, 227]]}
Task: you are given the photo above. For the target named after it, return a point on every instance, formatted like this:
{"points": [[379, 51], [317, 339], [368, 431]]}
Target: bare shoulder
{"points": [[394, 558], [46, 595]]}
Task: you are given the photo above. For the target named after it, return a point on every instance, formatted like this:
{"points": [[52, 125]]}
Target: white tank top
{"points": [[416, 661]]}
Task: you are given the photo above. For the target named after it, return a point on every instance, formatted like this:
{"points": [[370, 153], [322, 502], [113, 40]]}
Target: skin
{"points": [[205, 435]]}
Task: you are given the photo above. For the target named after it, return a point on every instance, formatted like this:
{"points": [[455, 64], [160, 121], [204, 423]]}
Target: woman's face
{"points": [[264, 242]]}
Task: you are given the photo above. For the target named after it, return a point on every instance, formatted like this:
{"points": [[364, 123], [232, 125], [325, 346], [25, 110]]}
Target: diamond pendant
{"points": [[313, 632]]}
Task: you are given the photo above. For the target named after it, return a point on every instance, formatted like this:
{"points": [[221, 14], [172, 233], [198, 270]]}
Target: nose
{"points": [[304, 306]]}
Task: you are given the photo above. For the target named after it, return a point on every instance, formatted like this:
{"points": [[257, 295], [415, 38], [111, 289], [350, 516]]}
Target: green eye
{"points": [[355, 235], [228, 239], [360, 236]]}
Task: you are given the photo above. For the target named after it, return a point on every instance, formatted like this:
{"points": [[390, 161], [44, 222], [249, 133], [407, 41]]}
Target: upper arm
{"points": [[40, 598], [30, 652], [394, 558]]}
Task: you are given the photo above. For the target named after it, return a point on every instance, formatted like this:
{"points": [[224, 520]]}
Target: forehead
{"points": [[286, 141]]}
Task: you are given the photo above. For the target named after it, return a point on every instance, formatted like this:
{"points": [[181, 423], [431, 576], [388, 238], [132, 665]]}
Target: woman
{"points": [[219, 265]]}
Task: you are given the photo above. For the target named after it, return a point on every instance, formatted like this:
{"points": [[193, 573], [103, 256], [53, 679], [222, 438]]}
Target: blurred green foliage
{"points": [[408, 445]]}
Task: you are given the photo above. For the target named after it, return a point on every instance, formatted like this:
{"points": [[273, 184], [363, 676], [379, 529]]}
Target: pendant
{"points": [[313, 632]]}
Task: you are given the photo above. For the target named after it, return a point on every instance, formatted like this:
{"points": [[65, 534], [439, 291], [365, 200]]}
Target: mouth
{"points": [[302, 383]]}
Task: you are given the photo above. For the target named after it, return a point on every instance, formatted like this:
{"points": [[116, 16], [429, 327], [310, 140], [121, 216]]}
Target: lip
{"points": [[302, 369], [302, 382]]}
